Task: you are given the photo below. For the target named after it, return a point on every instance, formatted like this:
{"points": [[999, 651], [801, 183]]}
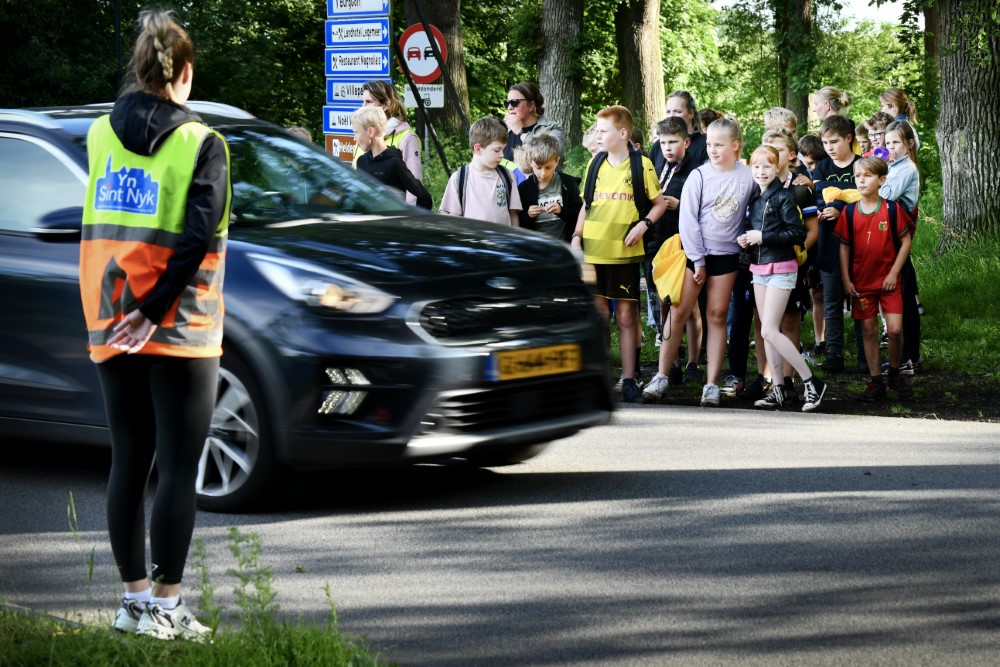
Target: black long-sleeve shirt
{"points": [[389, 168]]}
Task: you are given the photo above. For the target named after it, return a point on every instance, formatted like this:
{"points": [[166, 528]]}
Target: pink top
{"points": [[486, 197], [788, 266]]}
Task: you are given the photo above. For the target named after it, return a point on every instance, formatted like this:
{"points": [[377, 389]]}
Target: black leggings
{"points": [[158, 406]]}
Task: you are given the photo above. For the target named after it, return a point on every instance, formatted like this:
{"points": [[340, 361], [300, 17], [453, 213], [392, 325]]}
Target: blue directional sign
{"points": [[358, 32], [350, 8], [348, 91], [371, 63], [337, 119]]}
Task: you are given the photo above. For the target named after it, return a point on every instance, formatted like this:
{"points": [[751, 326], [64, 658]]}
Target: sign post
{"points": [[358, 40]]}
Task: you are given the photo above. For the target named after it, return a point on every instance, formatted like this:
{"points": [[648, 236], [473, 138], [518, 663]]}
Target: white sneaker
{"points": [[127, 618], [710, 395], [617, 386], [174, 623], [659, 341], [656, 388]]}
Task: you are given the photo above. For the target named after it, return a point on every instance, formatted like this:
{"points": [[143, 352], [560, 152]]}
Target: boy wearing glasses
{"points": [[876, 128], [525, 116]]}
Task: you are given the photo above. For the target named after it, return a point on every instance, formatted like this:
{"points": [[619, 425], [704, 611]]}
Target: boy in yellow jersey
{"points": [[610, 228]]}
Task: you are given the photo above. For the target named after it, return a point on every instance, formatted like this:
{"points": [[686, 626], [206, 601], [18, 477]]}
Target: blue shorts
{"points": [[780, 280]]}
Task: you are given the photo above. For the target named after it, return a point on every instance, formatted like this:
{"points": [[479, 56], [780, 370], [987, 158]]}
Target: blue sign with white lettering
{"points": [[350, 8], [348, 90], [372, 63], [357, 32], [337, 118], [127, 190]]}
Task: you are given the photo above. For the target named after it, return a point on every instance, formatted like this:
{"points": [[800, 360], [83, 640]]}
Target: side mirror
{"points": [[64, 224]]}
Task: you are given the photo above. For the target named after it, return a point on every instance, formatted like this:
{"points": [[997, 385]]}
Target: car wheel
{"points": [[237, 463], [503, 456]]}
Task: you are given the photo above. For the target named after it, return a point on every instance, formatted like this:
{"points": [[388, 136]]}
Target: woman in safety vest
{"points": [[151, 268]]}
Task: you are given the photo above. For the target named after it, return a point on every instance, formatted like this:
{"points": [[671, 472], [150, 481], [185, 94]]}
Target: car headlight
{"points": [[319, 287]]}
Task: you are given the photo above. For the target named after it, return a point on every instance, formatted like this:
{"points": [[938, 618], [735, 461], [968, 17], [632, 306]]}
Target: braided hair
{"points": [[162, 50]]}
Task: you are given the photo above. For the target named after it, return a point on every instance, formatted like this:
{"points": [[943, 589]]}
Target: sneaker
{"points": [[676, 375], [774, 398], [900, 385], [656, 387], [905, 368], [875, 391], [710, 395], [638, 378], [819, 349], [732, 385], [617, 387], [127, 618], [692, 374], [815, 390], [176, 623], [788, 391], [659, 340], [631, 392], [755, 390], [834, 364], [921, 310], [883, 342]]}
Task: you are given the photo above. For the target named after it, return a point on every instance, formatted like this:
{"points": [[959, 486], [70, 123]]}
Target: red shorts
{"points": [[866, 306]]}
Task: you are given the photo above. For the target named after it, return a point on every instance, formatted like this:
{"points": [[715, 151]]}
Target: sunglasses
{"points": [[512, 104]]}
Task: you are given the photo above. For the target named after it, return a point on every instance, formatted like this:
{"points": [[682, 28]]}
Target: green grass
{"points": [[255, 634]]}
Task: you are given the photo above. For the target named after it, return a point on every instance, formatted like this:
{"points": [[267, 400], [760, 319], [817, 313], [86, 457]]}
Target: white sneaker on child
{"points": [[127, 618], [176, 623], [710, 395], [656, 387]]}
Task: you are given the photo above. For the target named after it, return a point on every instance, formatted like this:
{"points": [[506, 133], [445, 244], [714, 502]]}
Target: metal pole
{"points": [[437, 54], [424, 116]]}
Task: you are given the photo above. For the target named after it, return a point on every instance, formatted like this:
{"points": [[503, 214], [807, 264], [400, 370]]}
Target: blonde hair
{"points": [[301, 132], [383, 93], [861, 130], [764, 152], [898, 97], [729, 125], [872, 164], [839, 100], [370, 116], [780, 118], [162, 50], [780, 134], [540, 148]]}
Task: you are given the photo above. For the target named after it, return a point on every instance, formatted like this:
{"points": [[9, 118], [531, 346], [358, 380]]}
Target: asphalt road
{"points": [[674, 535]]}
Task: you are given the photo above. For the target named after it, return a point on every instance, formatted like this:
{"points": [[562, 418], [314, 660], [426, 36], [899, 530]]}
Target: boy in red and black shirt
{"points": [[875, 241]]}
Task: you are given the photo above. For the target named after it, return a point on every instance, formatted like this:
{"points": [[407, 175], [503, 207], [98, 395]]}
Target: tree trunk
{"points": [[801, 59], [637, 36], [445, 15], [562, 21], [968, 130], [931, 70]]}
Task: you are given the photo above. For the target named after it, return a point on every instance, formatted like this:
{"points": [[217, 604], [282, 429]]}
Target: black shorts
{"points": [[617, 281], [718, 265]]}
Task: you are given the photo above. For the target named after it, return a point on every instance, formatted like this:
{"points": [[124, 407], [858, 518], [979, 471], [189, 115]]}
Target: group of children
{"points": [[810, 224]]}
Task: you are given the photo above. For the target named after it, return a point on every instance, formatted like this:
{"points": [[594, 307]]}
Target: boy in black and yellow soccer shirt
{"points": [[607, 232]]}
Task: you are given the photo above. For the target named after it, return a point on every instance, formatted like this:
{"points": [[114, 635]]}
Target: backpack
{"points": [[640, 198], [849, 210], [463, 176]]}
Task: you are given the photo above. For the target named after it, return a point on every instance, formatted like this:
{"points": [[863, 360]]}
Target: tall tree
{"points": [[558, 75], [796, 55], [637, 36], [968, 130], [446, 16]]}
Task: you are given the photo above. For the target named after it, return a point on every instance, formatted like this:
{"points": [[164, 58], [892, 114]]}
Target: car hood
{"points": [[408, 248]]}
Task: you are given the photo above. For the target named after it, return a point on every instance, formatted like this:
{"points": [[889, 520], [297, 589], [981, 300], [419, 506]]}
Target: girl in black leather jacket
{"points": [[774, 227]]}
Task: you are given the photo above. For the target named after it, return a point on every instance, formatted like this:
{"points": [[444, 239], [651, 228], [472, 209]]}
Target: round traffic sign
{"points": [[419, 55]]}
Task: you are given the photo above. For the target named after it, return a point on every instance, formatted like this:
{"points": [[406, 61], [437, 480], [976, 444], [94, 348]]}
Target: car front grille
{"points": [[478, 319], [514, 403]]}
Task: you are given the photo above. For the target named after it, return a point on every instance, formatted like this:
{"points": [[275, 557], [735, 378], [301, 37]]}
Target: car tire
{"points": [[237, 465], [504, 456]]}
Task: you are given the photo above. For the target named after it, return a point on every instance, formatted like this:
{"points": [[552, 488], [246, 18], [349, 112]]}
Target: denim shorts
{"points": [[780, 280]]}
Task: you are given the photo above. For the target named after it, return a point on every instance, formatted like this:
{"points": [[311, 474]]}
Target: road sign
{"points": [[336, 9], [419, 55], [347, 91], [373, 63], [357, 32], [431, 96], [341, 145], [337, 119]]}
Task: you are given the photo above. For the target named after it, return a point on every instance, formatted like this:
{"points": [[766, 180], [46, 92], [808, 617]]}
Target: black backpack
{"points": [[641, 199], [849, 210], [463, 176]]}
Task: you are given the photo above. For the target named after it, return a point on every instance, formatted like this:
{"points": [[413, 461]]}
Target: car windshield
{"points": [[278, 178]]}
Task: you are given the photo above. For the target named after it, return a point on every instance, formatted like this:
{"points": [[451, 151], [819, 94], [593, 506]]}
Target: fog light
{"points": [[343, 399]]}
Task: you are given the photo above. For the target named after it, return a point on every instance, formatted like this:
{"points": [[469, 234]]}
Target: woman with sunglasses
{"points": [[524, 106]]}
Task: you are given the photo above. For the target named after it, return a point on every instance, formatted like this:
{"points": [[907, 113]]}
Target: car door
{"points": [[45, 372]]}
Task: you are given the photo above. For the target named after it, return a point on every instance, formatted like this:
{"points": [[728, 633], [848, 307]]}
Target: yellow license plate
{"points": [[520, 364]]}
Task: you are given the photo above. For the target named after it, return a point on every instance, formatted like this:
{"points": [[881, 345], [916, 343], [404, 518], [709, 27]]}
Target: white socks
{"points": [[166, 603], [139, 596]]}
